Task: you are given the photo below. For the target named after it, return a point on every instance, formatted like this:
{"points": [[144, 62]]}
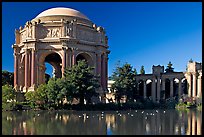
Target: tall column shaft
{"points": [[73, 57], [99, 66], [15, 70], [26, 68], [199, 87], [163, 87], [64, 61], [179, 90], [153, 89], [33, 68], [189, 85], [171, 88], [145, 89], [158, 89], [194, 85], [103, 67]]}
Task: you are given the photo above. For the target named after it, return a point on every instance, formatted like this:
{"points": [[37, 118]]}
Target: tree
{"points": [[83, 82], [125, 82], [169, 68], [142, 71], [7, 78], [8, 94]]}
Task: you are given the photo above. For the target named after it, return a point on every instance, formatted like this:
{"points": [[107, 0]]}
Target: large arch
{"points": [[55, 60], [85, 56]]}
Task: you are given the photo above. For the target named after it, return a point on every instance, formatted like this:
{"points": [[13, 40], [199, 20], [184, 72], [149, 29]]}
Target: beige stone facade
{"points": [[60, 37], [166, 85]]}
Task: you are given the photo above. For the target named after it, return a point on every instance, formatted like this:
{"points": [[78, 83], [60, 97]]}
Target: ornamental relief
{"points": [[53, 32]]}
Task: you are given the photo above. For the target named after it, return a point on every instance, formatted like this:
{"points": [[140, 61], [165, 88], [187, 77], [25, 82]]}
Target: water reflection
{"points": [[135, 122]]}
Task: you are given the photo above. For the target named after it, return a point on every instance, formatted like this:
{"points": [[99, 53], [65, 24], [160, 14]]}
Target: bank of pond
{"points": [[143, 104]]}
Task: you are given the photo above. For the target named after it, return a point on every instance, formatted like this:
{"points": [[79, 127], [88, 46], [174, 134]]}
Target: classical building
{"points": [[60, 37], [164, 85]]}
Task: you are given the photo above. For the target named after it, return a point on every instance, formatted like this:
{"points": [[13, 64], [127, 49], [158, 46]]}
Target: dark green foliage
{"points": [[142, 70], [125, 82], [8, 97], [169, 68], [7, 78], [82, 80]]}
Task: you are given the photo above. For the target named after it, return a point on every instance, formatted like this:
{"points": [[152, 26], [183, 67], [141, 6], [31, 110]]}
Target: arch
{"points": [[167, 88], [85, 56], [55, 60], [148, 87]]}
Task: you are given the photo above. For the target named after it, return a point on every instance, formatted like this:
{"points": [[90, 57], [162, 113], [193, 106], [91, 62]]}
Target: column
{"points": [[64, 60], [189, 85], [153, 89], [73, 57], [68, 62], [163, 87], [103, 71], [26, 69], [194, 85], [29, 68], [145, 89], [171, 87], [33, 69], [179, 90], [158, 89], [199, 86], [15, 70], [99, 66]]}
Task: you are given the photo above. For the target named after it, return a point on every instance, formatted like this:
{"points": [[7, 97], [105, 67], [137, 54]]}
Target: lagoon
{"points": [[133, 122]]}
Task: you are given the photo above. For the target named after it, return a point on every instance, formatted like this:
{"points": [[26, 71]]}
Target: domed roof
{"points": [[61, 11]]}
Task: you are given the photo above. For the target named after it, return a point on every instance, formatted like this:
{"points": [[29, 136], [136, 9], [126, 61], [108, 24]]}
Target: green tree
{"points": [[38, 97], [83, 83], [169, 67], [7, 78], [8, 97], [53, 91], [8, 93], [142, 70], [47, 77], [125, 82]]}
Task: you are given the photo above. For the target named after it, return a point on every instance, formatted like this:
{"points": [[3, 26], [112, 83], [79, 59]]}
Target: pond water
{"points": [[134, 122]]}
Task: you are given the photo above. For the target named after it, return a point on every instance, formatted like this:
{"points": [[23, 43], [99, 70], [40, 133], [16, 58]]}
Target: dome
{"points": [[61, 11]]}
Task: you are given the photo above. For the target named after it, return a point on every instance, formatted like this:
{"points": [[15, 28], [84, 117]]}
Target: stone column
{"points": [[73, 56], [68, 62], [64, 60], [153, 89], [171, 87], [189, 85], [194, 85], [158, 89], [145, 88], [103, 74], [29, 68], [179, 88], [33, 73], [163, 87], [99, 66], [26, 70], [15, 69], [199, 86]]}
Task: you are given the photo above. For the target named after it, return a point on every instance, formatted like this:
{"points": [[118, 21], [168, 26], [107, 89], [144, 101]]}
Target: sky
{"points": [[139, 33]]}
